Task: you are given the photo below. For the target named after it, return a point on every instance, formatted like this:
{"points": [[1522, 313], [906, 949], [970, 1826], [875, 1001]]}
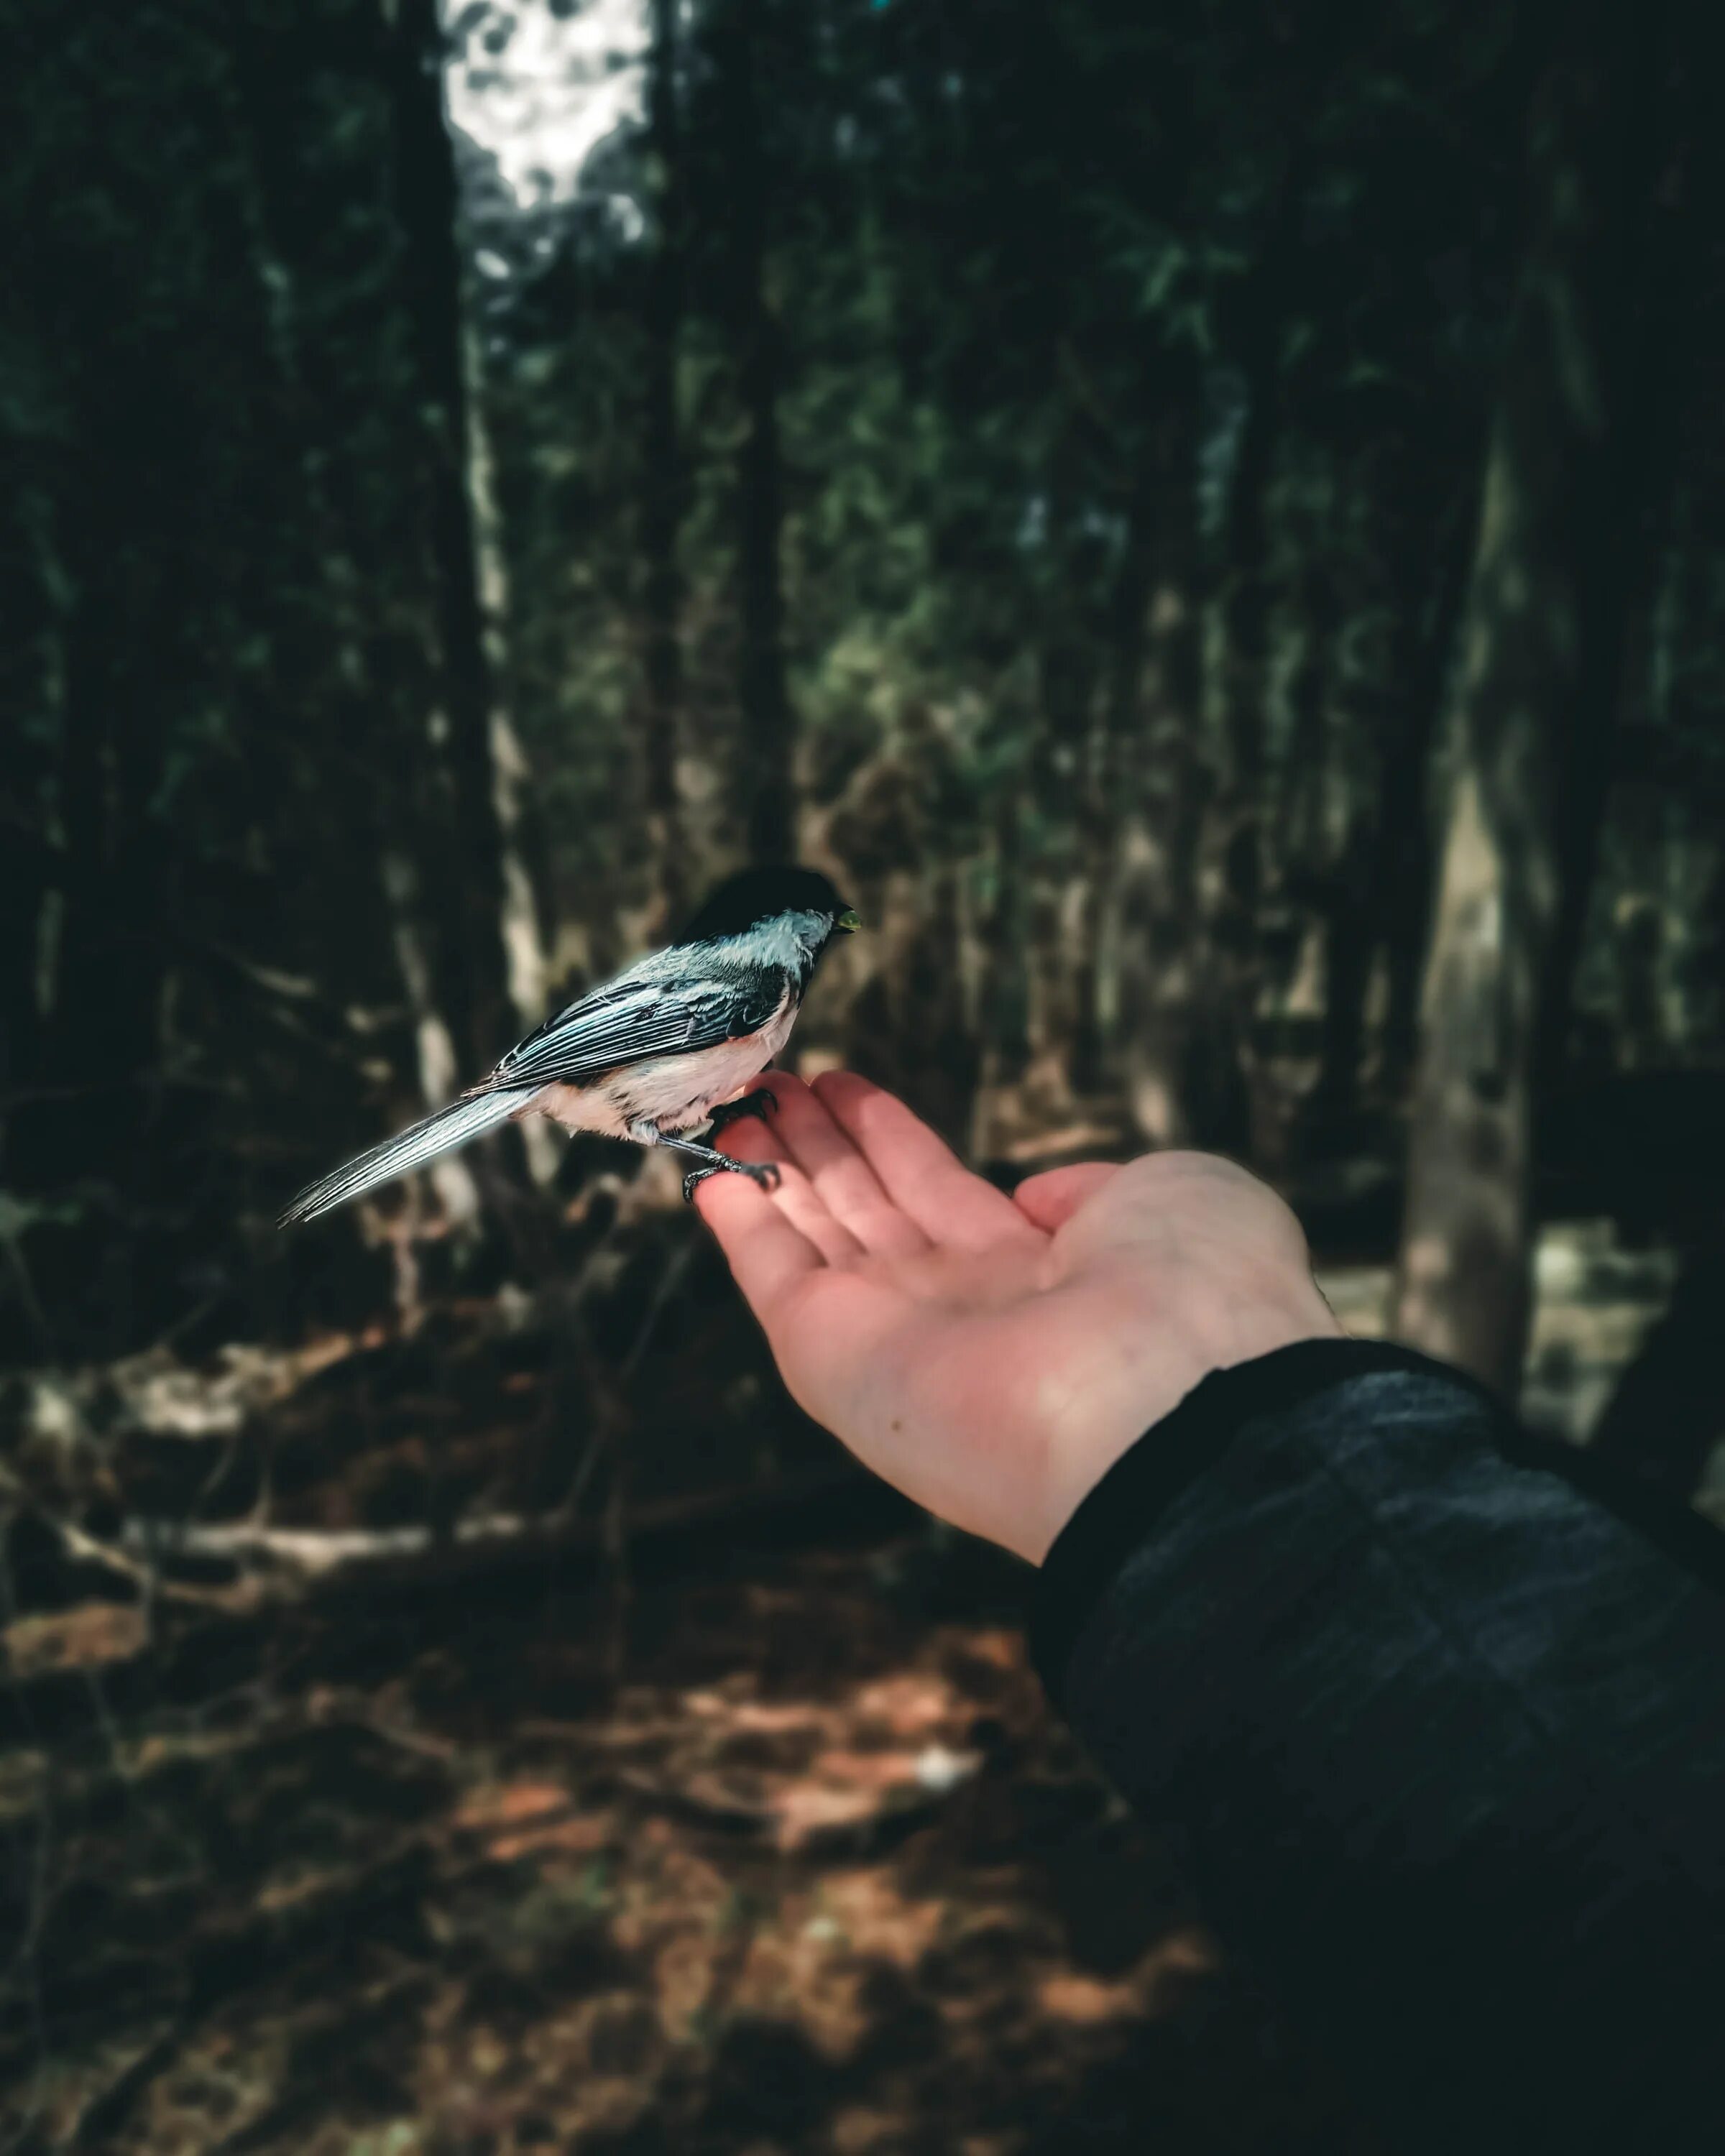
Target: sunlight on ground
{"points": [[821, 1878]]}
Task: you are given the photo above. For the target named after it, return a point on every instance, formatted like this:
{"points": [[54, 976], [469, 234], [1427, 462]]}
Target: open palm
{"points": [[991, 1356]]}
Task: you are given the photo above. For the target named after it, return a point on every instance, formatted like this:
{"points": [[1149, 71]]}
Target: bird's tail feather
{"points": [[411, 1148]]}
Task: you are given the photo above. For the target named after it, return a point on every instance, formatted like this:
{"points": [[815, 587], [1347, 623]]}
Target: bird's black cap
{"points": [[757, 895]]}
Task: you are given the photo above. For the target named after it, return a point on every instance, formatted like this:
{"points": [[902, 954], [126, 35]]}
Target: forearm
{"points": [[1445, 1737]]}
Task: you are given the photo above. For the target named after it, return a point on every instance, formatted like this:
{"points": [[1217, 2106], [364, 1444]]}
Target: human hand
{"points": [[992, 1357]]}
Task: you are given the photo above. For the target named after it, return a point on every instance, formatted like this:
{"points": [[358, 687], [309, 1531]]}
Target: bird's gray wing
{"points": [[636, 1016]]}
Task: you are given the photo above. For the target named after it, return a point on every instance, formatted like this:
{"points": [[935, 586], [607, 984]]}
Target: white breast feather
{"points": [[674, 1092]]}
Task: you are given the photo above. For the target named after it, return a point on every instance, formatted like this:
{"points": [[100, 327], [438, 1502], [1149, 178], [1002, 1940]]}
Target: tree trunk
{"points": [[437, 1067], [31, 669], [1532, 695], [388, 816], [1669, 155], [1094, 904], [85, 955], [527, 970], [428, 209], [1245, 604], [1005, 995], [768, 729], [523, 938], [26, 870], [1374, 893], [663, 485], [111, 938], [1231, 866], [1400, 888], [1161, 781], [1104, 821], [1062, 883]]}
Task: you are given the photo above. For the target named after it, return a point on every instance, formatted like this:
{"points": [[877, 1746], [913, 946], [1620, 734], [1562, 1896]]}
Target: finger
{"points": [[842, 1179], [767, 1255], [1050, 1200], [918, 1170], [794, 1194]]}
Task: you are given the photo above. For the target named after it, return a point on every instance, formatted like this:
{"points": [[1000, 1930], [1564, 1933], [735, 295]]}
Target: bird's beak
{"points": [[849, 920]]}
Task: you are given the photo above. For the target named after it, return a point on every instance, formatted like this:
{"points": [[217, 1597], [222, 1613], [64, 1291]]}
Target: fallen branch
{"points": [[315, 1550], [318, 1554], [86, 1549]]}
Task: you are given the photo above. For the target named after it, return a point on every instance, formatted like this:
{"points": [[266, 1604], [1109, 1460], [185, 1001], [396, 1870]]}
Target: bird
{"points": [[668, 1047]]}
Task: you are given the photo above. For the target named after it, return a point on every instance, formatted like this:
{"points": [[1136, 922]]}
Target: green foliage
{"points": [[1130, 375]]}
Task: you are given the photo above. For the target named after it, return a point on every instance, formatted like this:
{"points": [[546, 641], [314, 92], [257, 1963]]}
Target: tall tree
{"points": [[492, 905], [386, 824], [663, 483], [768, 729], [1161, 805], [1534, 687]]}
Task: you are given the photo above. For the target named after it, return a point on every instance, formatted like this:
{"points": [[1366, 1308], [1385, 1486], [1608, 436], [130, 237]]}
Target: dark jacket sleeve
{"points": [[1439, 1715]]}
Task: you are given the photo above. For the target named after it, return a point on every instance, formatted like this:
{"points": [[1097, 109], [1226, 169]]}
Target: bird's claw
{"points": [[765, 1172], [761, 1103]]}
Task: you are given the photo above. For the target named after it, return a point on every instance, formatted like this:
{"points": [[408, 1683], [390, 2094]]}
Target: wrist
{"points": [[1257, 1320], [1124, 1513], [1252, 1321]]}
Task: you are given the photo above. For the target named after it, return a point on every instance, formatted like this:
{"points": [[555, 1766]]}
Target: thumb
{"points": [[1051, 1199]]}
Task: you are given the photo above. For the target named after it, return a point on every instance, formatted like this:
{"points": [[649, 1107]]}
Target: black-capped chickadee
{"points": [[663, 1049]]}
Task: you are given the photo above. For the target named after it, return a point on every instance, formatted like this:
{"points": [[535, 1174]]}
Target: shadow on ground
{"points": [[785, 1853]]}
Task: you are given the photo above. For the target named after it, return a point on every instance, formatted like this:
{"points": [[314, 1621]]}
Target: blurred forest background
{"points": [[1206, 518]]}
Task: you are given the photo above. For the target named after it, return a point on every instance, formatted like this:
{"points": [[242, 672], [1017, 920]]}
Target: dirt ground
{"points": [[749, 1838], [784, 1852]]}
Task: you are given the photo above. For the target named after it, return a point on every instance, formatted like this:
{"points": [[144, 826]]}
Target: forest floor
{"points": [[788, 1856], [769, 1846]]}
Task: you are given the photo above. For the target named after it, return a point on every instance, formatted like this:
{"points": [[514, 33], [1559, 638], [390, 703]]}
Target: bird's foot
{"points": [[761, 1103], [765, 1172]]}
